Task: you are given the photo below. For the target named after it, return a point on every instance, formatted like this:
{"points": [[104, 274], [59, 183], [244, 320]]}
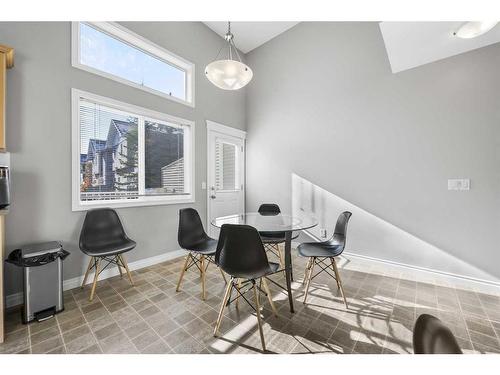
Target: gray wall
{"points": [[325, 106], [39, 134]]}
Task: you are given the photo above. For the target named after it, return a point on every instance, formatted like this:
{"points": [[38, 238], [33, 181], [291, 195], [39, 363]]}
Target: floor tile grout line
{"points": [[392, 313], [88, 323], [180, 326], [137, 312], [29, 339], [116, 322], [188, 322], [462, 316], [61, 334], [490, 321]]}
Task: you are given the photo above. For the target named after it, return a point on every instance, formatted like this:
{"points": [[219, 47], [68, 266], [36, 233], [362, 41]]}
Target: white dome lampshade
{"points": [[229, 74], [471, 30]]}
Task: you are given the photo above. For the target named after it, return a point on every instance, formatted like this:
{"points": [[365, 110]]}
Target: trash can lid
{"points": [[40, 249]]}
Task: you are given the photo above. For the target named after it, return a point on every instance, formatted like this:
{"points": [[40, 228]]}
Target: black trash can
{"points": [[42, 279]]}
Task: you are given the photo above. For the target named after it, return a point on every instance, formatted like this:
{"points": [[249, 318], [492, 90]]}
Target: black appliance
{"points": [[4, 187]]}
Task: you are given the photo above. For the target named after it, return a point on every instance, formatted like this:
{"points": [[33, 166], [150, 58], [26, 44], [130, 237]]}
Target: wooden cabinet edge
{"points": [[9, 54], [9, 63]]}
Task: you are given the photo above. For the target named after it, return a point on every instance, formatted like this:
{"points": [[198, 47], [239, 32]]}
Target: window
{"points": [[112, 51], [226, 166], [125, 155]]}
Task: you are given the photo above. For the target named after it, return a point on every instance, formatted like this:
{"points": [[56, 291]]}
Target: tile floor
{"points": [[152, 318]]}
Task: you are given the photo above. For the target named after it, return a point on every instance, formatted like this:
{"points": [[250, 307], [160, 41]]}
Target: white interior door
{"points": [[226, 173]]}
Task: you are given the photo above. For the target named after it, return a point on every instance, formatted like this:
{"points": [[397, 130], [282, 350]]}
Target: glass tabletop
{"points": [[268, 223]]}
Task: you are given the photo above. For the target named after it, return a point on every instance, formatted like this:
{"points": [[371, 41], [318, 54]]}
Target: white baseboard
{"points": [[480, 284], [486, 286], [17, 298]]}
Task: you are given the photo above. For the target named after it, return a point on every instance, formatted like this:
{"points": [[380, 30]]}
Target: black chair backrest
{"points": [[431, 336], [101, 227], [240, 251], [342, 221], [269, 209], [339, 237], [190, 230]]}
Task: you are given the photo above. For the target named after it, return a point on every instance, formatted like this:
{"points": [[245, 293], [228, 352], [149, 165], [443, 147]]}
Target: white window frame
{"points": [[153, 200], [127, 36]]}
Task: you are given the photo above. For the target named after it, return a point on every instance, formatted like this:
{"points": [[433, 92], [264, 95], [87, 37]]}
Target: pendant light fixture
{"points": [[229, 73], [471, 30]]}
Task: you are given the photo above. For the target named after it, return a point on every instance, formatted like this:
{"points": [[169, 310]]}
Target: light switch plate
{"points": [[459, 184], [203, 185]]}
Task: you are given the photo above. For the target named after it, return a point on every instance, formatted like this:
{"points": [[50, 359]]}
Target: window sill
{"points": [[125, 204]]}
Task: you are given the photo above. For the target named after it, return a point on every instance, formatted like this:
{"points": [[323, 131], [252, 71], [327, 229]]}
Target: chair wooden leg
{"points": [[202, 275], [96, 276], [281, 256], [309, 277], [118, 264], [223, 306], [260, 288], [306, 271], [182, 272], [89, 267], [124, 262], [223, 276], [238, 288], [259, 323], [269, 296], [339, 280]]}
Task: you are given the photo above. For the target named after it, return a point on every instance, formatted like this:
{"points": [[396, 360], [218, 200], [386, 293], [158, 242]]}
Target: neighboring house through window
{"points": [[124, 155]]}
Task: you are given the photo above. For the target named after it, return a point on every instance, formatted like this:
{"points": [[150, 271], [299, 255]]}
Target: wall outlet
{"points": [[322, 233], [459, 184]]}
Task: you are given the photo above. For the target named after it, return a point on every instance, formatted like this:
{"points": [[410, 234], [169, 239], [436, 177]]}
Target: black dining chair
{"points": [[240, 254], [103, 239], [273, 240], [192, 237], [431, 336], [320, 252]]}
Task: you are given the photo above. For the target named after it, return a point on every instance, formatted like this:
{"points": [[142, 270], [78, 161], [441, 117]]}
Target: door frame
{"points": [[216, 127]]}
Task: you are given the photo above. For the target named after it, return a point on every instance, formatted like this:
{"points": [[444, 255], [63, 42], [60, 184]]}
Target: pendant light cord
{"points": [[231, 45]]}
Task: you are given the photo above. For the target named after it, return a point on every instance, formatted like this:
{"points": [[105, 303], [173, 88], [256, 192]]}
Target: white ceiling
{"points": [[250, 35], [411, 44]]}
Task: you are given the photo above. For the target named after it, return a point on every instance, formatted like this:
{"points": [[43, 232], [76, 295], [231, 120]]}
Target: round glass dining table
{"points": [[280, 223]]}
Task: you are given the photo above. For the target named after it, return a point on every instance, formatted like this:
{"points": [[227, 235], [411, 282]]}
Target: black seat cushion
{"points": [[273, 268], [206, 246], [320, 249], [109, 249]]}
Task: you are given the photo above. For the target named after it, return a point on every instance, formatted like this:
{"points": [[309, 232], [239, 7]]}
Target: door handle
{"points": [[213, 196]]}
